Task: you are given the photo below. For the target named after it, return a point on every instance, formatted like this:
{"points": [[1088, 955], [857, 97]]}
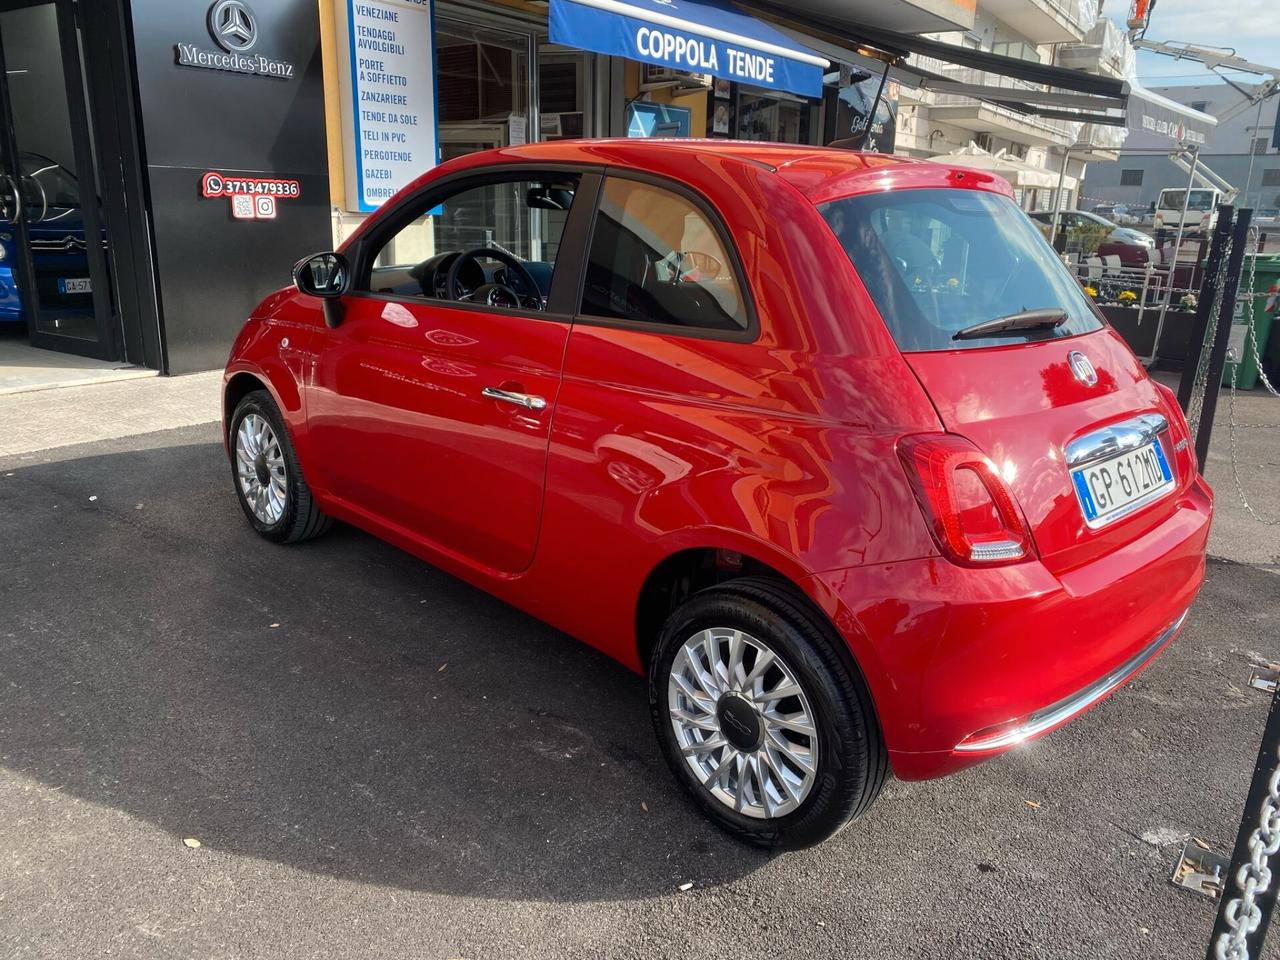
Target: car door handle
{"points": [[526, 400]]}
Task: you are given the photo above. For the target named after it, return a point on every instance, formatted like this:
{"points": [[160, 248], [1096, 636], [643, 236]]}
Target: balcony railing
{"points": [[932, 64], [1032, 18], [1104, 50], [1082, 13], [1058, 129], [1101, 136]]}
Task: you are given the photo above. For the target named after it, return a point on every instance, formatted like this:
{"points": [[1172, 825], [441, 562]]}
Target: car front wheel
{"points": [[269, 483], [762, 716]]}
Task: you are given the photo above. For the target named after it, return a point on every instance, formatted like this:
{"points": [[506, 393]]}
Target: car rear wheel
{"points": [[763, 717], [269, 483]]}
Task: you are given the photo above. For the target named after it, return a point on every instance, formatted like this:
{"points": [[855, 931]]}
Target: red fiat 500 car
{"points": [[828, 444]]}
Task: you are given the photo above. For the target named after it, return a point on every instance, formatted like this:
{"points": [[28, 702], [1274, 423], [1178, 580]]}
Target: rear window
{"points": [[938, 261]]}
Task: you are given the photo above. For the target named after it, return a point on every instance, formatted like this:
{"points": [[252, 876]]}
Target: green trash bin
{"points": [[1266, 276]]}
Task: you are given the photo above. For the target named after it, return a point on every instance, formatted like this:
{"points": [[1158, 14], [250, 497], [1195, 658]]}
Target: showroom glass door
{"points": [[57, 282]]}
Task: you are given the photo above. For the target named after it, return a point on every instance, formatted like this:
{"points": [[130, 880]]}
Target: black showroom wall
{"points": [[232, 114]]}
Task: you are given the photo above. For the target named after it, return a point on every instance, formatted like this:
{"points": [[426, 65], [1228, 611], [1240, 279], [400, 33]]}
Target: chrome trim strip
{"points": [[1081, 700], [1115, 439]]}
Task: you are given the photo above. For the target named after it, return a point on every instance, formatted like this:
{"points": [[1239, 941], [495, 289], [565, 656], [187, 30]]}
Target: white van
{"points": [[1202, 211]]}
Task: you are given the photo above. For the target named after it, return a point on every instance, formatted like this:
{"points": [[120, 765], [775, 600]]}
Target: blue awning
{"points": [[697, 36]]}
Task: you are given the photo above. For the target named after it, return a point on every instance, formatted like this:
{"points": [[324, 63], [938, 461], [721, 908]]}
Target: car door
{"points": [[430, 414]]}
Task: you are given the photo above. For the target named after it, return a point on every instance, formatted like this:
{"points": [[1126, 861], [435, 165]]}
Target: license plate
{"points": [[75, 285], [1109, 489]]}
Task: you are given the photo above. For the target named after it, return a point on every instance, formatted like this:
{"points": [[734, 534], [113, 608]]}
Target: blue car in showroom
{"points": [[50, 197]]}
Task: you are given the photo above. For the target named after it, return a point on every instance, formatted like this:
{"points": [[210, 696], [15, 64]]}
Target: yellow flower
{"points": [[1091, 291], [1127, 296]]}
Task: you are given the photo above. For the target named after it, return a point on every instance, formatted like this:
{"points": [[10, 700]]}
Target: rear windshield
{"points": [[937, 261]]}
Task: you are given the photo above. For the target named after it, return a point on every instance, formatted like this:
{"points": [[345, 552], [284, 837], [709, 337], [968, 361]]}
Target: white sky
{"points": [[1252, 27]]}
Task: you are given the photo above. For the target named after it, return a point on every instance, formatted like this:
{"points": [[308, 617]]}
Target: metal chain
{"points": [[1235, 461], [1231, 403], [1253, 879], [1253, 342], [1255, 242], [1200, 383], [1255, 239]]}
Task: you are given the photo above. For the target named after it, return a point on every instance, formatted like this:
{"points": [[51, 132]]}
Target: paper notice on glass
{"points": [[516, 127]]}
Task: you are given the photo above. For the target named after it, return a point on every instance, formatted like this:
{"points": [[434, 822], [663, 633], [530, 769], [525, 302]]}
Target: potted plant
{"points": [[1137, 323]]}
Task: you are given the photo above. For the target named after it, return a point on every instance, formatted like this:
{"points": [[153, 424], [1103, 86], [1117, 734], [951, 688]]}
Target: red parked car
{"points": [[828, 444]]}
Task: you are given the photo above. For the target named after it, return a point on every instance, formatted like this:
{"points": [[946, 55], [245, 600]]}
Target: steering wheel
{"points": [[493, 293]]}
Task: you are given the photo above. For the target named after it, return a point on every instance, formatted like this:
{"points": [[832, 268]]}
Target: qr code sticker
{"points": [[242, 207]]}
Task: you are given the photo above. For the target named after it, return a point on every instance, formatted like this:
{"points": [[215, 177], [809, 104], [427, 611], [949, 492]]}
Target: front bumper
{"points": [[966, 663]]}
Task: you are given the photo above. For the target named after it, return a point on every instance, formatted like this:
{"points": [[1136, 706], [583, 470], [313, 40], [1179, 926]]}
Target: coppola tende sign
{"points": [[233, 27]]}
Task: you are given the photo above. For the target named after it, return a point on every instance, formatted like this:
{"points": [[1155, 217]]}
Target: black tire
{"points": [[301, 519], [852, 760]]}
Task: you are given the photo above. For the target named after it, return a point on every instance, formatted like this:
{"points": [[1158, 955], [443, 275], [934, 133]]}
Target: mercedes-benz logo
{"points": [[233, 25]]}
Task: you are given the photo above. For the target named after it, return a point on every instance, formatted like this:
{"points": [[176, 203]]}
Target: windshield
{"points": [[45, 182], [1200, 200], [938, 261]]}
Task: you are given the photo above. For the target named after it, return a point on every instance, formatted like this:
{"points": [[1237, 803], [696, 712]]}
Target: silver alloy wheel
{"points": [[260, 468], [743, 722]]}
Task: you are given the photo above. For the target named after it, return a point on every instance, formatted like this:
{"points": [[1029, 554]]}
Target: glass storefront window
{"points": [[767, 117], [565, 104], [65, 297], [483, 87]]}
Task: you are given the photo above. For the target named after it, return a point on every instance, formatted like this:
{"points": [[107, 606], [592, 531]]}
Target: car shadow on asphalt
{"points": [[337, 706]]}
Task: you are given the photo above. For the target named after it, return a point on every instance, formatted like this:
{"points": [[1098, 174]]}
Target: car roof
{"points": [[820, 173]]}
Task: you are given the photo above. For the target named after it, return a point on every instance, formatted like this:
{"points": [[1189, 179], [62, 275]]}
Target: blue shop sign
{"points": [[697, 36]]}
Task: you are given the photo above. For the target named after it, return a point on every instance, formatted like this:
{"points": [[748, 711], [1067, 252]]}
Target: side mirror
{"points": [[322, 275]]}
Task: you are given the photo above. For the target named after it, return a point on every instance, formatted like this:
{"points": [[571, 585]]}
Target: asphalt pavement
{"points": [[379, 761]]}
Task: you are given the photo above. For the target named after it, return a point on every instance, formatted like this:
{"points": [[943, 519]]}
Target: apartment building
{"points": [[1066, 33]]}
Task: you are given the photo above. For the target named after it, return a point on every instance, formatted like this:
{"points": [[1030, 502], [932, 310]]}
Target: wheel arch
{"points": [[685, 571], [243, 377], [238, 386]]}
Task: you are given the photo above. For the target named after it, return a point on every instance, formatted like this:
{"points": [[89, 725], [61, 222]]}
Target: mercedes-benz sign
{"points": [[233, 27]]}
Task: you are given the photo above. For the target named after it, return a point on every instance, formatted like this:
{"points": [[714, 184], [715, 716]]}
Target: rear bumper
{"points": [[1056, 714], [966, 663]]}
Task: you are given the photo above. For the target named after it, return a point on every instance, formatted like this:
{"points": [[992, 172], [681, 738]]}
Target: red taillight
{"points": [[971, 511]]}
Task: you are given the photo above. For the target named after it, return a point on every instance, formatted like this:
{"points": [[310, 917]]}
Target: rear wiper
{"points": [[1050, 318]]}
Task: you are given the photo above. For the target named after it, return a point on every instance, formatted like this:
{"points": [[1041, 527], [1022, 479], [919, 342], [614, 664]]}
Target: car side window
{"points": [[656, 258], [487, 226]]}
